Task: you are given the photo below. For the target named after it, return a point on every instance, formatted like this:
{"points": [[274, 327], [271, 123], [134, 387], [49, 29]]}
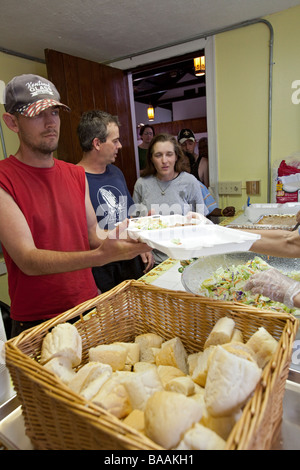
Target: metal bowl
{"points": [[194, 274]]}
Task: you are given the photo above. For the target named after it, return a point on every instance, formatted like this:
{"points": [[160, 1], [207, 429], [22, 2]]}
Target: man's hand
{"points": [[117, 245], [148, 261]]}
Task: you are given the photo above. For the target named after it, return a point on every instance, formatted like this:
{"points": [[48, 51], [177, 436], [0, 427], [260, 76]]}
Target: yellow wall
{"points": [[242, 58], [11, 66]]}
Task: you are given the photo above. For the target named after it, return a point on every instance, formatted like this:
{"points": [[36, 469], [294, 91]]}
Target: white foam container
{"points": [[193, 241]]}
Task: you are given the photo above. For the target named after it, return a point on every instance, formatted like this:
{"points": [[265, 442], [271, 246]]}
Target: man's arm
{"points": [[17, 239], [281, 243]]}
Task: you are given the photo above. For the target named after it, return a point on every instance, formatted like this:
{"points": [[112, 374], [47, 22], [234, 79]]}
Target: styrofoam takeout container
{"points": [[192, 241]]}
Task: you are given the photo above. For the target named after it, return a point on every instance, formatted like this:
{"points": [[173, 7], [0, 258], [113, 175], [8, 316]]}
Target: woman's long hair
{"points": [[179, 164]]}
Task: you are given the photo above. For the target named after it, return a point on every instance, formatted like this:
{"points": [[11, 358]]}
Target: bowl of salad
{"points": [[222, 277]]}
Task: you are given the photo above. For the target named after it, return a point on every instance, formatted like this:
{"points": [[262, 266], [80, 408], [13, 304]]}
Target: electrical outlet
{"points": [[230, 187]]}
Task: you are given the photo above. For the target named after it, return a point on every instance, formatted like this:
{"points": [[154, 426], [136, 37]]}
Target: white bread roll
{"points": [[140, 366], [168, 373], [146, 341], [62, 341], [62, 367], [230, 381], [201, 438], [168, 415], [149, 355], [199, 390], [237, 336], [112, 354], [136, 419], [113, 395], [221, 425], [200, 370], [192, 361], [141, 385], [263, 345], [173, 353], [183, 385], [133, 352], [240, 349], [221, 332], [90, 378]]}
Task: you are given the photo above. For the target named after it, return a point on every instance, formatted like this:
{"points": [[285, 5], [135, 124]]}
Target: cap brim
{"points": [[37, 107], [186, 138]]}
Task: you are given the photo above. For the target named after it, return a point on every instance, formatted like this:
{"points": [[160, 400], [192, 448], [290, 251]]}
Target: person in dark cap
{"points": [[187, 140], [48, 227]]}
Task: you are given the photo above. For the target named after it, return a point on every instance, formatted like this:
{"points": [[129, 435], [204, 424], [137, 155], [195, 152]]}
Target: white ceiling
{"points": [[104, 30]]}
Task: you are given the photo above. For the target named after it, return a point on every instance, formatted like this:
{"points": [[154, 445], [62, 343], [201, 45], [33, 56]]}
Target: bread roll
{"points": [[263, 345], [113, 395], [112, 354], [62, 368], [133, 352], [146, 341], [140, 366], [200, 371], [183, 385], [168, 415], [221, 425], [173, 353], [63, 341], [136, 419], [149, 355], [240, 349], [221, 332], [201, 438], [237, 335], [168, 373], [192, 360], [141, 385], [230, 381], [90, 378]]}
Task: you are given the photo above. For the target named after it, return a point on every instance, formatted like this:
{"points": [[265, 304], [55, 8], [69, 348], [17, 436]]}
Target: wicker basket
{"points": [[57, 418]]}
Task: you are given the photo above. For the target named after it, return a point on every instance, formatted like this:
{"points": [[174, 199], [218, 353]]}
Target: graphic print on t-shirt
{"points": [[112, 206]]}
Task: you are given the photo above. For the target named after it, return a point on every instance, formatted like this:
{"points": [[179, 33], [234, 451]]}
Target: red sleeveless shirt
{"points": [[53, 203]]}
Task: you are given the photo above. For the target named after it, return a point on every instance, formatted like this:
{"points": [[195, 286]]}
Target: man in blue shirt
{"points": [[99, 138]]}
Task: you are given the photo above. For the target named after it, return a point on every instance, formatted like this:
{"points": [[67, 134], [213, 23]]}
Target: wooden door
{"points": [[85, 85]]}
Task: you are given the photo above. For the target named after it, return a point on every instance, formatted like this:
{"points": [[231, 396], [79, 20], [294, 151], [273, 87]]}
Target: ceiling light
{"points": [[199, 66], [150, 113]]}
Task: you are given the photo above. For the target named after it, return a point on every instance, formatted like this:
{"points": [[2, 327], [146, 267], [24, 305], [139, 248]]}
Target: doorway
{"points": [[152, 73]]}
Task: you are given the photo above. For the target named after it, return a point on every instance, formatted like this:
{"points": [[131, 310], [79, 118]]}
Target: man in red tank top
{"points": [[48, 227]]}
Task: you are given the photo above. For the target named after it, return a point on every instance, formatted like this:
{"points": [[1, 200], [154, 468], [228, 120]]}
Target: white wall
{"points": [[189, 109]]}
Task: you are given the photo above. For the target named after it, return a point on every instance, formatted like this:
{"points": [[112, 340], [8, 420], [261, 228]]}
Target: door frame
{"points": [[208, 44]]}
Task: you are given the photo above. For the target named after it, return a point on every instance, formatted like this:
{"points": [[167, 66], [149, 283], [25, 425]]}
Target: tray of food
{"points": [[254, 211], [283, 221], [222, 277], [189, 240], [101, 375]]}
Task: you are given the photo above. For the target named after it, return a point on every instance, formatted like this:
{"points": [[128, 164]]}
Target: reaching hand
{"points": [[117, 245], [275, 285], [228, 211]]}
